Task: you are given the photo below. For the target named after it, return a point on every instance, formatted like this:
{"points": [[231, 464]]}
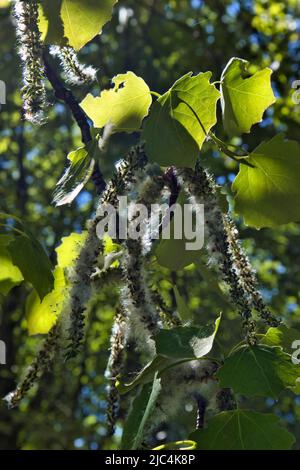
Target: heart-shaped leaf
{"points": [[245, 97], [123, 107], [258, 370], [180, 120], [73, 22], [185, 342], [243, 430], [267, 192]]}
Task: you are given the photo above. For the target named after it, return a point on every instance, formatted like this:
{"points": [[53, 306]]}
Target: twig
{"points": [[66, 95]]}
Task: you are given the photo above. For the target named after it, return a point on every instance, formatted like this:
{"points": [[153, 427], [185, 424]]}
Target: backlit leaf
{"points": [[245, 97], [268, 193], [73, 22], [41, 316], [281, 336], [74, 178], [180, 120], [10, 275], [124, 106], [31, 259]]}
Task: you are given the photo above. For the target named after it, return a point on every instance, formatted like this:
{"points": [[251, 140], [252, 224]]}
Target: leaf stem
{"points": [[183, 361], [223, 147], [237, 346], [14, 229], [154, 93]]}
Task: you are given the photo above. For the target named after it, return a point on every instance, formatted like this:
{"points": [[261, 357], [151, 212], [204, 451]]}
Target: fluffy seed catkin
{"points": [[75, 73], [30, 51]]}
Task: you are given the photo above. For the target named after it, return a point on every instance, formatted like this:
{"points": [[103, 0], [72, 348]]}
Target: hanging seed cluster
{"points": [[247, 275], [200, 189], [75, 73], [69, 329], [142, 312], [41, 363], [30, 52], [115, 367]]}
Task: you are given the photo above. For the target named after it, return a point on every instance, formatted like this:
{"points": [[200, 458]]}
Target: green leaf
{"points": [[41, 316], [171, 253], [28, 255], [4, 3], [168, 142], [31, 259], [174, 347], [10, 275], [267, 195], [75, 177], [146, 375], [182, 309], [245, 97], [73, 22], [259, 370], [281, 336], [186, 342], [141, 410], [69, 249], [243, 430], [124, 106], [296, 389], [180, 120]]}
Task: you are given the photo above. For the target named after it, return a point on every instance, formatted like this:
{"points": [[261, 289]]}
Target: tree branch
{"points": [[64, 94]]}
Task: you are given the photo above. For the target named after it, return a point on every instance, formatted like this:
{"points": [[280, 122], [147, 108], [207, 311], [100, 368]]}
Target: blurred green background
{"points": [[160, 41]]}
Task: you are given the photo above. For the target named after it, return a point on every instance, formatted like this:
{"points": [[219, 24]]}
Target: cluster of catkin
{"points": [[30, 49], [68, 331], [142, 312], [225, 251]]}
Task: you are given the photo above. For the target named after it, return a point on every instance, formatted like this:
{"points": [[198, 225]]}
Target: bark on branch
{"points": [[64, 94]]}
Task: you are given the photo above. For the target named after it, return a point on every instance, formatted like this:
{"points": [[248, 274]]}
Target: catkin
{"points": [[167, 314], [135, 295], [40, 364], [181, 384], [247, 275], [73, 314], [81, 281], [200, 189], [114, 367], [75, 72], [30, 52]]}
